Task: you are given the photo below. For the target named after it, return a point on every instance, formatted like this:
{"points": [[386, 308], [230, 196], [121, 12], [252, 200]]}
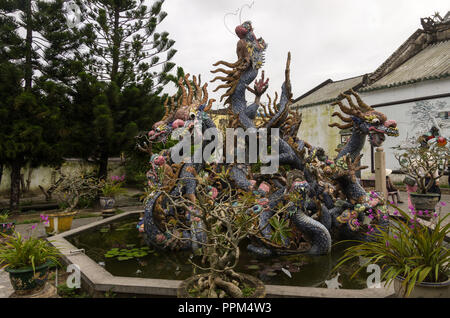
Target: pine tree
{"points": [[124, 58], [31, 96]]}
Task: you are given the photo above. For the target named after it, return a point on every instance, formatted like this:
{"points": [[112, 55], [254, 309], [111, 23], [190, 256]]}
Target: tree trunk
{"points": [[28, 47], [15, 187], [28, 184], [103, 168], [1, 172], [116, 46]]}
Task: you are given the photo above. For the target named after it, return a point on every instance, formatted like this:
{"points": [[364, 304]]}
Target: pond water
{"points": [[121, 249]]}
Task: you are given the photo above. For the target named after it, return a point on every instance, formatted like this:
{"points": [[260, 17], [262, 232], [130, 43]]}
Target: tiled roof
{"points": [[328, 93], [433, 62]]}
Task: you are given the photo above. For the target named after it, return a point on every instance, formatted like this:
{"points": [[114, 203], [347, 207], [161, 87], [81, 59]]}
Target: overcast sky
{"points": [[327, 38]]}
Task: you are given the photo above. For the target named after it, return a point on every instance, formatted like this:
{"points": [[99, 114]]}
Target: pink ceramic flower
{"points": [[264, 187], [160, 161], [160, 238]]}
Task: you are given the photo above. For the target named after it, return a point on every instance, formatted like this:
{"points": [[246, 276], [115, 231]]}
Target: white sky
{"points": [[334, 39]]}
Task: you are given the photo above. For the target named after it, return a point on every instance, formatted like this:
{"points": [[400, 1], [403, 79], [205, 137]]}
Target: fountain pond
{"points": [[122, 251]]}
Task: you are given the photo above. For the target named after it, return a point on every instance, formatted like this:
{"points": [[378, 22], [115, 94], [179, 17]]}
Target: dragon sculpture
{"points": [[324, 198]]}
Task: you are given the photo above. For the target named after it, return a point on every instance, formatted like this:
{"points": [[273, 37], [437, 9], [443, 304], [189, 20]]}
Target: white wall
{"points": [[400, 114], [43, 175]]}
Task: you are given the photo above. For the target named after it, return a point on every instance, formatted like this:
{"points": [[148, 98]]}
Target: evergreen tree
{"points": [[126, 69], [31, 96]]}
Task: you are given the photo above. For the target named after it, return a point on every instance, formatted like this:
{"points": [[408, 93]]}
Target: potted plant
{"points": [[110, 189], [411, 255], [75, 185], [5, 226], [425, 162], [220, 219], [27, 260]]}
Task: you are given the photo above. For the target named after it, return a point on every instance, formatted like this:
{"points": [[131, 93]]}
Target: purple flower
{"points": [[412, 226], [413, 212], [391, 202], [420, 213], [370, 217], [33, 226], [443, 203], [435, 215], [387, 243], [411, 207], [426, 212], [385, 217], [395, 236], [396, 212]]}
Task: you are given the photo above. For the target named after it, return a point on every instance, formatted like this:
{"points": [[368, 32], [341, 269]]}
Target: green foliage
{"points": [[4, 217], [66, 292], [281, 229], [18, 252], [136, 167], [129, 253], [408, 250], [111, 188]]}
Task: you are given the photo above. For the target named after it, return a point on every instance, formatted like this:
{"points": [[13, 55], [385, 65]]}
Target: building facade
{"points": [[412, 87]]}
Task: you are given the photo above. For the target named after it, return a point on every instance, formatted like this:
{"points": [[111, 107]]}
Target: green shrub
{"points": [[18, 252]]}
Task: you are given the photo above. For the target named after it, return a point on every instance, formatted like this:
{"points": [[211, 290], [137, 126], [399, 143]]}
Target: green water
{"points": [[308, 271]]}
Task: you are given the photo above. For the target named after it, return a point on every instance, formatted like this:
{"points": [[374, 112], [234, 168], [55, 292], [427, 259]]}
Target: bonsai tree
{"points": [[408, 250], [425, 162], [221, 218], [74, 185]]}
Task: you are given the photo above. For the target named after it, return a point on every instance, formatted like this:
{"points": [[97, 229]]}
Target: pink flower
{"points": [[160, 161], [33, 226], [160, 238], [385, 217], [370, 217]]}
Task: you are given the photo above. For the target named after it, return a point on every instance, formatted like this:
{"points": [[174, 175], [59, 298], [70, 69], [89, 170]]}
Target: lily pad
{"points": [[252, 266]]}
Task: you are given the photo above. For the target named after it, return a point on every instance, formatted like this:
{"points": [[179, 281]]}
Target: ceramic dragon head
{"points": [[365, 119], [182, 114]]}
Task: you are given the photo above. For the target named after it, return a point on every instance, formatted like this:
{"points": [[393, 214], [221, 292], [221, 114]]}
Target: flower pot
{"points": [[423, 202], [186, 285], [59, 222], [7, 228], [24, 280], [107, 203], [424, 289]]}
